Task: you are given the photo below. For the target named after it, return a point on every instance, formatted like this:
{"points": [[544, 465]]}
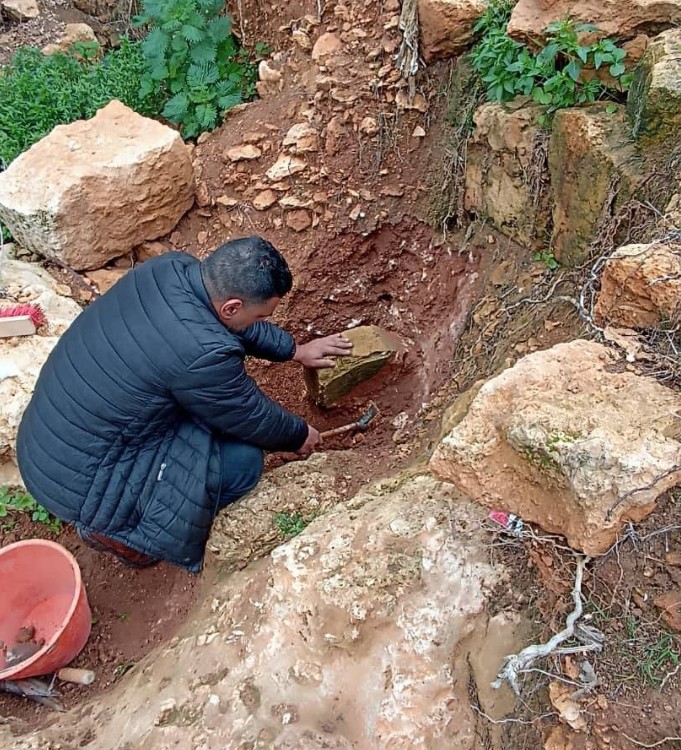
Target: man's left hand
{"points": [[313, 355]]}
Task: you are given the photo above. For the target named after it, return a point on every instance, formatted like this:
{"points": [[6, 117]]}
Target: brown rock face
{"points": [[501, 153], [562, 441], [654, 101], [640, 286], [92, 190], [614, 17], [447, 26], [592, 162], [372, 349]]}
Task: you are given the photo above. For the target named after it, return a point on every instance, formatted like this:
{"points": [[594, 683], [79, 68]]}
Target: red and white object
{"points": [[20, 320]]}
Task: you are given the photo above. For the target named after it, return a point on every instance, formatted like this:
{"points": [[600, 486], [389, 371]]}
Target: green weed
{"points": [[13, 502], [194, 59], [547, 258], [40, 91], [554, 76], [290, 524]]}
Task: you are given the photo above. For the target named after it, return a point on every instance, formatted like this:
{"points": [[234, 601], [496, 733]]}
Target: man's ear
{"points": [[230, 308]]}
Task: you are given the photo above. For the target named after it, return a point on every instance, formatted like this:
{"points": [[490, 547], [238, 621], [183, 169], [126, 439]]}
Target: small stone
{"points": [[418, 132], [373, 348], [670, 606], [73, 32], [302, 138], [264, 200], [246, 152], [292, 201], [201, 237], [327, 44], [267, 73], [225, 200], [302, 39], [20, 10], [673, 558], [253, 136], [165, 710], [105, 278], [355, 213], [418, 103], [285, 166], [148, 250], [368, 126], [299, 221], [393, 191]]}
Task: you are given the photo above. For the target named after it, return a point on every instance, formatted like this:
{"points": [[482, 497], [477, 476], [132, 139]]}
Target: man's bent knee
{"points": [[242, 467]]}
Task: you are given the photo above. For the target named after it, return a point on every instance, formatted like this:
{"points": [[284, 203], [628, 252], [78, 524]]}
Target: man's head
{"points": [[245, 280]]}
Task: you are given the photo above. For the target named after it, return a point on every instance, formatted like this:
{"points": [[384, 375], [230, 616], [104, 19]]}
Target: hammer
{"points": [[361, 424]]}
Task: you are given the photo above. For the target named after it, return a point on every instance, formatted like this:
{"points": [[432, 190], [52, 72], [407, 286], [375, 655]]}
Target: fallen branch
{"points": [[516, 664]]}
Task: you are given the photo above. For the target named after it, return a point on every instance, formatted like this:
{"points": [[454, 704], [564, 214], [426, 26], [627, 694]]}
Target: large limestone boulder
{"points": [[92, 190], [614, 17], [594, 166], [654, 101], [20, 10], [366, 631], [447, 26], [567, 442], [640, 286], [21, 358], [247, 531], [505, 169]]}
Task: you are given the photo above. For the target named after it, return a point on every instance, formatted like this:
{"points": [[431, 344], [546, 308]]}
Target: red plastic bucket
{"points": [[41, 586]]}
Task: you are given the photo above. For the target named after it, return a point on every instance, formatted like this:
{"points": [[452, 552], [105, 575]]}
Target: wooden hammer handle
{"points": [[339, 430]]}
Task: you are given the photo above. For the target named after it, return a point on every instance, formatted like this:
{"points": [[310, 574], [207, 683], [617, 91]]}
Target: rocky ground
{"points": [[384, 622]]}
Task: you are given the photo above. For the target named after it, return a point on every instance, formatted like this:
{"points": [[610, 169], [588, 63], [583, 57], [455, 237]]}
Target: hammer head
{"points": [[369, 414]]}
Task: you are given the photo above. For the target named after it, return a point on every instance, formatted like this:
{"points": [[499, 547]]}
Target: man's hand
{"points": [[314, 440], [313, 355]]}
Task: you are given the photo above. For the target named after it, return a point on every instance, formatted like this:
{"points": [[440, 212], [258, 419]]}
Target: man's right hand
{"points": [[314, 440]]}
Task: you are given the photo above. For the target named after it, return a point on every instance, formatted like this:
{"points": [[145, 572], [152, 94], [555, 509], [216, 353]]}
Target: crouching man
{"points": [[144, 424]]}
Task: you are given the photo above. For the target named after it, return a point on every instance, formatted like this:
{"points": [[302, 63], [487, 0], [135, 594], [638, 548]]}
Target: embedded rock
{"points": [[366, 631], [592, 163], [614, 18], [505, 148], [640, 286], [563, 441], [654, 101], [447, 26]]}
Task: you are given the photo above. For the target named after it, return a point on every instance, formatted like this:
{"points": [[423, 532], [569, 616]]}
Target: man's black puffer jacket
{"points": [[130, 406]]}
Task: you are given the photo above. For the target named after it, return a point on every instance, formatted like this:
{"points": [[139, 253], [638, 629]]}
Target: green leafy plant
{"points": [[555, 76], [40, 91], [14, 501], [193, 57], [548, 258], [290, 524]]}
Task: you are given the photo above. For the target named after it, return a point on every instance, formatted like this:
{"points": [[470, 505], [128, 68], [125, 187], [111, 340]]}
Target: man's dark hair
{"points": [[250, 268]]}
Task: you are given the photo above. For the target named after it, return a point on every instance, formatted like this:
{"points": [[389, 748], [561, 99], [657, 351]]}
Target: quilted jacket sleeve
{"points": [[268, 341], [216, 390]]}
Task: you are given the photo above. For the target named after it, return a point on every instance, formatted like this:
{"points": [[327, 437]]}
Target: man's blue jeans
{"points": [[234, 469]]}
